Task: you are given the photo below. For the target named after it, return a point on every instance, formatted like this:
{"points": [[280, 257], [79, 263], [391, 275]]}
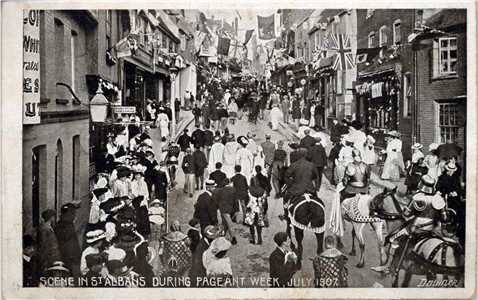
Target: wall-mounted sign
{"points": [[31, 66], [124, 109]]}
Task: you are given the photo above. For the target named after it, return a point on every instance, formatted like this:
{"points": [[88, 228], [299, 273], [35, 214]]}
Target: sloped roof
{"points": [[329, 13], [446, 18]]}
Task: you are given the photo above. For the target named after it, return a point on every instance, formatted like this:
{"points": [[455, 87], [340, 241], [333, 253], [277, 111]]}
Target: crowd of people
{"points": [[128, 227]]}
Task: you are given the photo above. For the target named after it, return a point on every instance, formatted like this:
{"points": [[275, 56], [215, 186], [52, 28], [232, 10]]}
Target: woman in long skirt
{"points": [[393, 167]]}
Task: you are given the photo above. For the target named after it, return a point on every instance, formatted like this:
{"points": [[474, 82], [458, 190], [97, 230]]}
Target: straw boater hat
{"points": [[58, 266], [417, 146], [394, 133], [115, 253], [451, 166], [371, 139], [118, 268], [433, 146], [212, 232], [95, 235], [427, 185], [138, 169], [210, 183], [242, 140]]}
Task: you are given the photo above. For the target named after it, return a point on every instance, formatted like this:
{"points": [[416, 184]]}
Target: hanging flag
{"points": [[366, 55], [198, 39], [321, 26], [123, 48], [317, 53], [266, 27], [223, 46], [341, 48], [249, 33], [235, 49]]}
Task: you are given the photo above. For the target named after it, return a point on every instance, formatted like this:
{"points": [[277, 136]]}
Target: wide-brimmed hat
{"points": [[356, 124], [157, 201], [101, 183], [212, 232], [220, 244], [95, 235], [100, 192], [293, 145], [210, 183], [417, 146], [115, 253], [394, 133], [138, 169], [242, 140], [94, 259], [371, 139], [433, 146], [58, 266], [451, 166], [118, 268], [427, 184], [65, 208]]}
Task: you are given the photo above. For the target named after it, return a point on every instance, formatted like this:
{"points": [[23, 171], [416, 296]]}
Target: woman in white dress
{"points": [[244, 158], [230, 151], [392, 166], [276, 115], [368, 155], [431, 161]]}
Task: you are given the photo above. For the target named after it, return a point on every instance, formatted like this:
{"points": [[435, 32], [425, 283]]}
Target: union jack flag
{"points": [[341, 48]]}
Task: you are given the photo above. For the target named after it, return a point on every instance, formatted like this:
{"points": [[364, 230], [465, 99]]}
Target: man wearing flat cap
{"points": [[282, 262]]}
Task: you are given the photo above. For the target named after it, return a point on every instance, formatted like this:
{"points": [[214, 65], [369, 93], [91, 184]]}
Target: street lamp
{"points": [[98, 107], [173, 72]]}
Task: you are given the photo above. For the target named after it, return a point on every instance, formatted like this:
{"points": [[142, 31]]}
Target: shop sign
{"points": [[31, 66], [124, 109]]}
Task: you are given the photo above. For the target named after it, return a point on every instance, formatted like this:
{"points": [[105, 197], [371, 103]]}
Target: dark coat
{"points": [[208, 138], [200, 161], [205, 210], [183, 141], [294, 156], [197, 138], [300, 177], [160, 182], [188, 165], [68, 244], [317, 156], [307, 142], [260, 180], [197, 269], [239, 182], [219, 178], [228, 200], [31, 272], [296, 109], [206, 111], [196, 111], [195, 238], [280, 273], [144, 269]]}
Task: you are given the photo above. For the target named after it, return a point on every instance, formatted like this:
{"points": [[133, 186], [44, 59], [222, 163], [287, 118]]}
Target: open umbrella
{"points": [[448, 150]]}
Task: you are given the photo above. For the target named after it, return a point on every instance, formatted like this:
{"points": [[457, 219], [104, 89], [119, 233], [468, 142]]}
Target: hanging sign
{"points": [[31, 67]]}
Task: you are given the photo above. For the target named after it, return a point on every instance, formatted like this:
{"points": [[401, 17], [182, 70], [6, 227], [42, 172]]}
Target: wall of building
{"points": [[430, 90], [49, 135]]}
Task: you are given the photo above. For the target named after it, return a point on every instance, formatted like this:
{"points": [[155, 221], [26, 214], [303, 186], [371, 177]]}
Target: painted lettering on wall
{"points": [[31, 67]]}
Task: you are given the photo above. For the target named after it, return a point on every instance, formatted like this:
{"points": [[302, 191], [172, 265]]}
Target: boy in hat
{"points": [[282, 262]]}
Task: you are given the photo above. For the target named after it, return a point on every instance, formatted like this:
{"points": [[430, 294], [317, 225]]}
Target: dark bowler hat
{"points": [[427, 184]]}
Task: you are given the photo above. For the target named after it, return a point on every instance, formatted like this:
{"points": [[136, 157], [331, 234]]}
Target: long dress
{"points": [[432, 163], [276, 115], [359, 138], [253, 147], [391, 167], [216, 155], [230, 151], [245, 159]]}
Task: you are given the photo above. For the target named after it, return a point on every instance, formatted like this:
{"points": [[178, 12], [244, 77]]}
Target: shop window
{"points": [[445, 57], [397, 33], [448, 122], [407, 96], [371, 39]]}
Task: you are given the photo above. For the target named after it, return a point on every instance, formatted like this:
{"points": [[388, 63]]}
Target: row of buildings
{"points": [[403, 69], [72, 53]]}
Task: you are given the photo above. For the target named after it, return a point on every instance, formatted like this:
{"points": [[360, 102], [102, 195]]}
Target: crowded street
{"points": [[288, 149]]}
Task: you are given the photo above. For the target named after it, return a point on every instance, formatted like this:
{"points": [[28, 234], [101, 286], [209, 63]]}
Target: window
{"points": [[371, 39], [142, 32], [58, 174], [76, 155], [407, 96], [38, 182], [73, 58], [183, 42], [397, 33], [60, 50], [164, 46], [445, 57], [383, 36], [108, 29], [171, 46], [449, 115]]}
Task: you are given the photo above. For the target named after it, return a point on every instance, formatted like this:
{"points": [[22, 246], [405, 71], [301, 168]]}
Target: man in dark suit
{"points": [[307, 141], [183, 141], [301, 176], [200, 162], [208, 139], [205, 209], [239, 182], [318, 157], [218, 176], [282, 262], [197, 138], [228, 207], [31, 269], [67, 237], [260, 180]]}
